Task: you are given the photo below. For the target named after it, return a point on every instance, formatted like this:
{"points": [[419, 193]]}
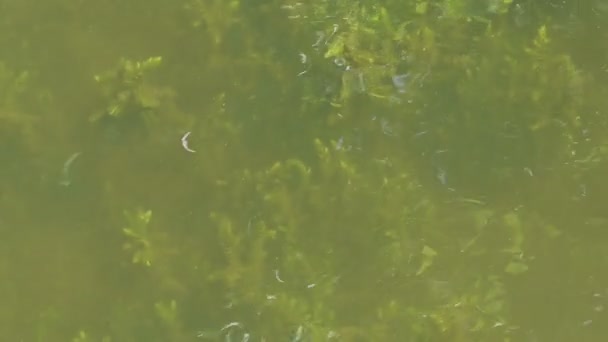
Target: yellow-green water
{"points": [[207, 170]]}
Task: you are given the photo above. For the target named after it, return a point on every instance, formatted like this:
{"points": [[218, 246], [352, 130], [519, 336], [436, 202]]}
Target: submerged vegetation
{"points": [[354, 171]]}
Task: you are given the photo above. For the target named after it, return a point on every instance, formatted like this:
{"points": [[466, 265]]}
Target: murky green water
{"points": [[206, 170]]}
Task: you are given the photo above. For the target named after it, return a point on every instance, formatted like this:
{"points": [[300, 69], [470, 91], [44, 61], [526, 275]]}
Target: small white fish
{"points": [[277, 276], [65, 173], [232, 325], [185, 143]]}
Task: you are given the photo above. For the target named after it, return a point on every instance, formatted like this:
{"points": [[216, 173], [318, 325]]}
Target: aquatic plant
{"points": [[373, 171], [126, 90]]}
